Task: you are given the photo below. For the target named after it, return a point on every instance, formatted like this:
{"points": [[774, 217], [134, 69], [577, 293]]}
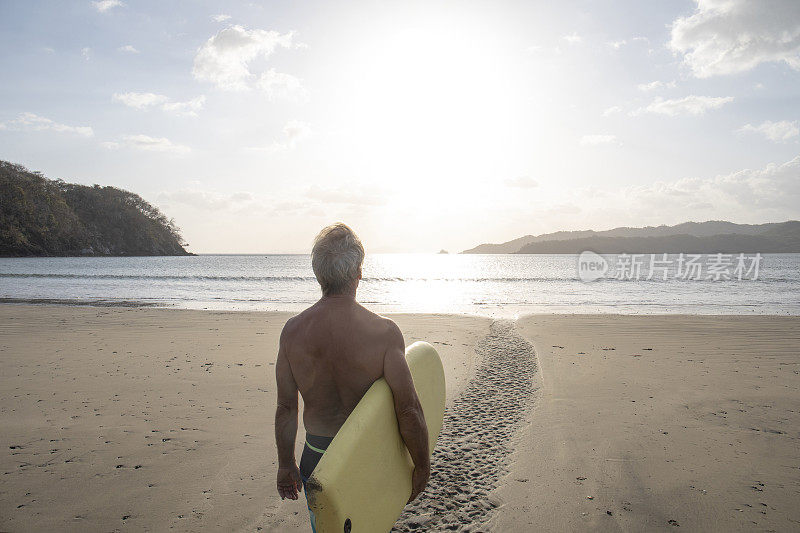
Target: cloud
{"points": [[225, 58], [128, 48], [188, 108], [771, 191], [140, 100], [148, 144], [597, 140], [729, 36], [294, 132], [689, 105], [616, 45], [86, 52], [148, 100], [206, 200], [781, 131], [313, 200], [653, 85], [221, 17], [573, 38], [32, 122], [280, 85], [295, 206], [349, 195], [612, 111], [104, 5], [522, 182], [562, 209]]}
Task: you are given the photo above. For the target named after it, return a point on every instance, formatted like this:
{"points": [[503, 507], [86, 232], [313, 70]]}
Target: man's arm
{"points": [[410, 417], [289, 481]]}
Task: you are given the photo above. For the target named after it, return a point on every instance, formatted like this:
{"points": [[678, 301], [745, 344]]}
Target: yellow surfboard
{"points": [[363, 481]]}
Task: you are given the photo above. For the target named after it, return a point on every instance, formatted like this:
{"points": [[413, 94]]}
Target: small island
{"points": [[443, 251], [44, 217]]}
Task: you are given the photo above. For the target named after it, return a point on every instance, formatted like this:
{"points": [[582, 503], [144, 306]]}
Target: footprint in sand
{"points": [[473, 444]]}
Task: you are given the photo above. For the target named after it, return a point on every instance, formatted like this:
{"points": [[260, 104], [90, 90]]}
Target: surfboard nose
{"points": [[428, 374]]}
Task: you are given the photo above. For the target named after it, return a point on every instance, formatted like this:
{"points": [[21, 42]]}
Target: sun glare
{"points": [[434, 99]]}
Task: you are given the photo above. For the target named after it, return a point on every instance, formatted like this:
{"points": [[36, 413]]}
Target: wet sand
{"points": [[118, 418]]}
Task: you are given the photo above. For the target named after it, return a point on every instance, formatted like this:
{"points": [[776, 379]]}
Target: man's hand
{"points": [[418, 481], [289, 482]]}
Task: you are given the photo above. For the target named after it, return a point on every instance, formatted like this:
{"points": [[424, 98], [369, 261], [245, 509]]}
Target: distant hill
{"points": [[689, 237], [43, 217]]}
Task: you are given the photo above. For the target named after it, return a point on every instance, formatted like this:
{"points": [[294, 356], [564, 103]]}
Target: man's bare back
{"points": [[331, 353], [335, 349]]}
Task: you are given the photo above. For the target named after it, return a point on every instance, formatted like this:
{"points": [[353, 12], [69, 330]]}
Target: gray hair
{"points": [[336, 258]]}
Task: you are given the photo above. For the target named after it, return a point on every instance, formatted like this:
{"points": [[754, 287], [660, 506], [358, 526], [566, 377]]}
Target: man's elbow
{"points": [[285, 410], [411, 413]]}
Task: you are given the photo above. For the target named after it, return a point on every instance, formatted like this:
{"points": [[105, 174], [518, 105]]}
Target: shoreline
{"points": [[166, 419], [136, 304]]}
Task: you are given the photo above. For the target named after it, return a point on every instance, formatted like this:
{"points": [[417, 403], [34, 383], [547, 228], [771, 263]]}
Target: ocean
{"points": [[489, 285]]}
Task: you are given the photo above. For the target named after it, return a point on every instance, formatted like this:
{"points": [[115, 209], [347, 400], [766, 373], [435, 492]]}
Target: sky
{"points": [[424, 125]]}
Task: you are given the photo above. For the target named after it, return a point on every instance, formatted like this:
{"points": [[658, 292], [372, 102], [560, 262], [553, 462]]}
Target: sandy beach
{"points": [[150, 419], [656, 422], [157, 419]]}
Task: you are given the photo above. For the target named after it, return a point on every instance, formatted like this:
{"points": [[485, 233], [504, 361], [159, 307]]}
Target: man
{"points": [[332, 353]]}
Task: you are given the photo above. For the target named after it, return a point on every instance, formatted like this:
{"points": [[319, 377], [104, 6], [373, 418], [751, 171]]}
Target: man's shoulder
{"points": [[389, 325], [384, 327], [363, 321], [381, 323], [304, 316], [292, 326], [299, 324]]}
